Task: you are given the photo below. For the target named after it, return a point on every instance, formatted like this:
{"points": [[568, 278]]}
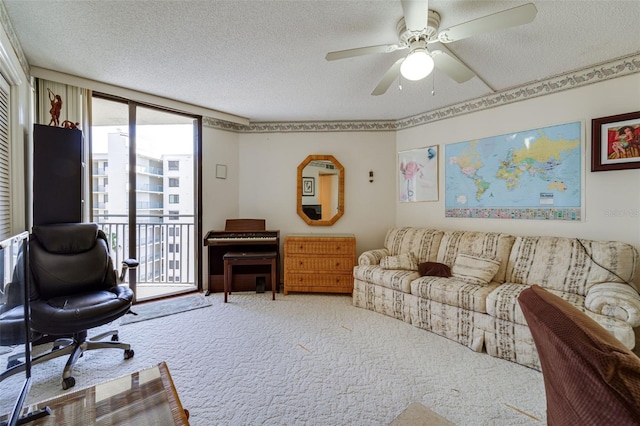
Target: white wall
{"points": [[220, 197], [266, 167], [603, 191], [611, 198], [268, 174]]}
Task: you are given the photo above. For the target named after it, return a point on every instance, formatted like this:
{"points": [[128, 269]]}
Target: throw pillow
{"points": [[434, 269], [405, 261], [475, 269]]}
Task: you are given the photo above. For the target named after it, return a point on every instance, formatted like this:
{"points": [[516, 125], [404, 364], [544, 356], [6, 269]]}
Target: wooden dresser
{"points": [[320, 263]]}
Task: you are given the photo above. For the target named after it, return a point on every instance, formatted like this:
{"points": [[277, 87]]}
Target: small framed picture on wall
{"points": [[615, 142], [418, 174], [308, 186], [221, 171]]}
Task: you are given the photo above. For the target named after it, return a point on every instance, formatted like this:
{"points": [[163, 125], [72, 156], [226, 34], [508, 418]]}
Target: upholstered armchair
{"points": [[590, 377]]}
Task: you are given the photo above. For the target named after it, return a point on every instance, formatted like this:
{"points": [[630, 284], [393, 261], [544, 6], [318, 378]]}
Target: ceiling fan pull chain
{"points": [[433, 82]]}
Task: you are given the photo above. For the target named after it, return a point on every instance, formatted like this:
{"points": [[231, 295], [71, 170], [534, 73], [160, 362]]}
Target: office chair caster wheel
{"points": [[68, 383], [13, 363], [128, 353]]}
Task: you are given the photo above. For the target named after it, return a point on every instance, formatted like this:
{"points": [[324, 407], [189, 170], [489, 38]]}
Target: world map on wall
{"points": [[533, 174]]}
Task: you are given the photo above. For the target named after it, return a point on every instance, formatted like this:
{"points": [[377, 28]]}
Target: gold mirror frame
{"points": [[340, 209]]}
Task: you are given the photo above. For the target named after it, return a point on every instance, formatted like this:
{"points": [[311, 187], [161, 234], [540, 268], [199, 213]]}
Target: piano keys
{"points": [[214, 238], [241, 235]]}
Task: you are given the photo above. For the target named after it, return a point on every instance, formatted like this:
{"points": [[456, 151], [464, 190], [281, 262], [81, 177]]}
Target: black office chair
{"points": [[12, 332], [74, 287]]}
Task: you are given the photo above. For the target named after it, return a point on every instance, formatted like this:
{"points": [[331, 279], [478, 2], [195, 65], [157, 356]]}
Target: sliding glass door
{"points": [[154, 152]]}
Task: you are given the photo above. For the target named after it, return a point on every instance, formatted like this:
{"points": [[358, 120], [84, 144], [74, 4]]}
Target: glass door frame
{"points": [[132, 216]]}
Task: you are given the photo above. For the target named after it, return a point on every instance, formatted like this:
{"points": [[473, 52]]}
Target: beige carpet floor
{"points": [[308, 359]]}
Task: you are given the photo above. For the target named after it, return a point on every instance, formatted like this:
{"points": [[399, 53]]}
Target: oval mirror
{"points": [[320, 190]]}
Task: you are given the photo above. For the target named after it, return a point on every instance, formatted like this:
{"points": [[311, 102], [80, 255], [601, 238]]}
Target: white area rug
{"points": [[310, 360]]}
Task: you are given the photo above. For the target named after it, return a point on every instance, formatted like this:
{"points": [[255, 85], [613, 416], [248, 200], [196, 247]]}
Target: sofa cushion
{"points": [[422, 242], [489, 244], [453, 292], [474, 269], [568, 264], [503, 302], [589, 377], [405, 261], [372, 257], [394, 279], [434, 269]]}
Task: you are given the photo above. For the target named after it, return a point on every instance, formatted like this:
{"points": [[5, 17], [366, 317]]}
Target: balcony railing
{"points": [[149, 205], [157, 245], [149, 187], [150, 170]]}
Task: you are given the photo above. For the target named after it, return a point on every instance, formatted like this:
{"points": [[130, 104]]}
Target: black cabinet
{"points": [[57, 175]]}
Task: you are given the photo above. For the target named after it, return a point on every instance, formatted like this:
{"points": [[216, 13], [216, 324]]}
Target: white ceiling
{"points": [[264, 60]]}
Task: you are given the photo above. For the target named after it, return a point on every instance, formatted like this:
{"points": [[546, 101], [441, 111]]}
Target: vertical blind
{"points": [[5, 154]]}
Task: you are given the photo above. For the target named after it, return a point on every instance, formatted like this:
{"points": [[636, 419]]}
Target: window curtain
{"points": [[76, 109]]}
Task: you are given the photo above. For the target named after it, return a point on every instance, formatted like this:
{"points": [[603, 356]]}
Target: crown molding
{"points": [[302, 126], [13, 39], [619, 67], [593, 74]]}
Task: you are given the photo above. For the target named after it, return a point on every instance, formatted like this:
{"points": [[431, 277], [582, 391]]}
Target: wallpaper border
{"points": [[619, 67]]}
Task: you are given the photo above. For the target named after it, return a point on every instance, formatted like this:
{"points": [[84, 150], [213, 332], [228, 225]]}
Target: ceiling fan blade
{"points": [[452, 66], [359, 51], [415, 14], [388, 78], [507, 18]]}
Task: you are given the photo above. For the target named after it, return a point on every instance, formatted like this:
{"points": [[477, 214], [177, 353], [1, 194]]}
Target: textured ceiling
{"points": [[264, 60]]}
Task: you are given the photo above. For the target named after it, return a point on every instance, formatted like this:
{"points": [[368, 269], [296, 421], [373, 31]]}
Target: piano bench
{"points": [[249, 258]]}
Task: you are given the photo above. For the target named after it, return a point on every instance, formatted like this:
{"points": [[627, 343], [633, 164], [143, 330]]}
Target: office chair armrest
{"points": [[127, 264]]}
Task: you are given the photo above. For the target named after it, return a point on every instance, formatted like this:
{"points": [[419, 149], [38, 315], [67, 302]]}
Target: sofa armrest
{"points": [[616, 300], [372, 257]]}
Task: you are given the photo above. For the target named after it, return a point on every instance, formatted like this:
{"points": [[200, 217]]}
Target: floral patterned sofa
{"points": [[465, 285]]}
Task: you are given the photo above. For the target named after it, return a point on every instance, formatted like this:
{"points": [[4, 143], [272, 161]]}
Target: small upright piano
{"points": [[241, 235]]}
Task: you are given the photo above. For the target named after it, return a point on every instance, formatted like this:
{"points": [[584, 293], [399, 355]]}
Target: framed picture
{"points": [[615, 142], [308, 186], [221, 171], [418, 174]]}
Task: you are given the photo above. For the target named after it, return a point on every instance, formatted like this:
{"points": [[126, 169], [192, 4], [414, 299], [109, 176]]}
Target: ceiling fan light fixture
{"points": [[417, 65]]}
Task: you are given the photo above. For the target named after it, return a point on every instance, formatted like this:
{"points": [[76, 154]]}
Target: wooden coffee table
{"points": [[146, 397]]}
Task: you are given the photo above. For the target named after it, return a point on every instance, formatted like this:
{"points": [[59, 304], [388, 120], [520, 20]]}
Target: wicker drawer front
{"points": [[319, 263], [320, 247], [313, 280], [331, 264]]}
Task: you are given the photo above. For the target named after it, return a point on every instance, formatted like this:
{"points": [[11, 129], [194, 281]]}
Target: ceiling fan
{"points": [[419, 27]]}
